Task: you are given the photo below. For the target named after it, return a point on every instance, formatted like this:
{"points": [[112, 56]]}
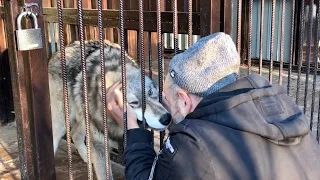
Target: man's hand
{"points": [[115, 107]]}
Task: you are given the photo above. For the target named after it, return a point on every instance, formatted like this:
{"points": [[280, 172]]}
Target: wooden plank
{"points": [[209, 16], [133, 35], [46, 3], [227, 16], [3, 44], [181, 6], [86, 4], [110, 19], [1, 12], [132, 44], [69, 30], [196, 5], [168, 5]]}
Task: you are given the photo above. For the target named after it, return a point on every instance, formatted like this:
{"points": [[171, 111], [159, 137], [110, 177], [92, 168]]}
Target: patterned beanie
{"points": [[207, 66]]}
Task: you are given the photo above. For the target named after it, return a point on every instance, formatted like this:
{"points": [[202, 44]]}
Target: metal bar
{"points": [[239, 26], [300, 50], [250, 35], [111, 19], [123, 70], [150, 65], [85, 89], [175, 26], [189, 23], [65, 87], [261, 36], [272, 39], [315, 61], [142, 63], [282, 40], [291, 45], [160, 61], [309, 36], [103, 89], [150, 54]]}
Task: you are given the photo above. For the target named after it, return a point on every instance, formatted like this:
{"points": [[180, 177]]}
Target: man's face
{"points": [[174, 102]]}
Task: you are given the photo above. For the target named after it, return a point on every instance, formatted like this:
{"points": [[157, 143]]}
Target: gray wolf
{"points": [[156, 115]]}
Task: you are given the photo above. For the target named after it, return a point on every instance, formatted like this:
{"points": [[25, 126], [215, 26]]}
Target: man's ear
{"points": [[186, 100]]}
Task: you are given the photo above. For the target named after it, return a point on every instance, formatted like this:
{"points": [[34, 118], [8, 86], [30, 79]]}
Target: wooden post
{"points": [[29, 77], [215, 16]]}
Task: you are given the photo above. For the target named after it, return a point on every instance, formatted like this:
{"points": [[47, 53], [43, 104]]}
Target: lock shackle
{"points": [[24, 14]]}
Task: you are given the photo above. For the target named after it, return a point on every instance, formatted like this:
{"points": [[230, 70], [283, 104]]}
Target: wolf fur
{"points": [[156, 115]]}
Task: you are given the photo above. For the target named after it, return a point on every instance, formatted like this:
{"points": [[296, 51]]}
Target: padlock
{"points": [[28, 39]]}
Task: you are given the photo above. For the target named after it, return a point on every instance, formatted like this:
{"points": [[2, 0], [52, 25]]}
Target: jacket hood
{"points": [[252, 105]]}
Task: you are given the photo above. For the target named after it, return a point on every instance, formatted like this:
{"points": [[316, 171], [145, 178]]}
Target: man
{"points": [[224, 128]]}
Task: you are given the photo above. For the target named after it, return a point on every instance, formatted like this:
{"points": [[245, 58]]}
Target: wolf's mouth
{"points": [[140, 123]]}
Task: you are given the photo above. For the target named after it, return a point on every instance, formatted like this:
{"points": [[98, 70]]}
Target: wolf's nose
{"points": [[165, 119]]}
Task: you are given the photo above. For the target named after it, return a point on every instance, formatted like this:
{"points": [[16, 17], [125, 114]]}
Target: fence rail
{"points": [[110, 19]]}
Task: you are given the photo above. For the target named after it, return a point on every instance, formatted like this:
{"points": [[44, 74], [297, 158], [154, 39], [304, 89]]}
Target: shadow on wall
{"points": [[6, 98]]}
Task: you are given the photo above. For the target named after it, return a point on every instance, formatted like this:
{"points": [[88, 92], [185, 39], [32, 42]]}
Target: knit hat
{"points": [[207, 66]]}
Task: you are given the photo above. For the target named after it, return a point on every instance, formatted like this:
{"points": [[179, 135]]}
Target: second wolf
{"points": [[156, 115]]}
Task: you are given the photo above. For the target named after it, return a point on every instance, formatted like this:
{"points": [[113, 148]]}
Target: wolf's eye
{"points": [[150, 92], [134, 103]]}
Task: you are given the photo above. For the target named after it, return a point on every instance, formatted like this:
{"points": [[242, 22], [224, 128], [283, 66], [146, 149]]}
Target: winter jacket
{"points": [[248, 130]]}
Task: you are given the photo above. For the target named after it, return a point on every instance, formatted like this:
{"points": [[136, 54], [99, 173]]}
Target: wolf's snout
{"points": [[165, 119]]}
